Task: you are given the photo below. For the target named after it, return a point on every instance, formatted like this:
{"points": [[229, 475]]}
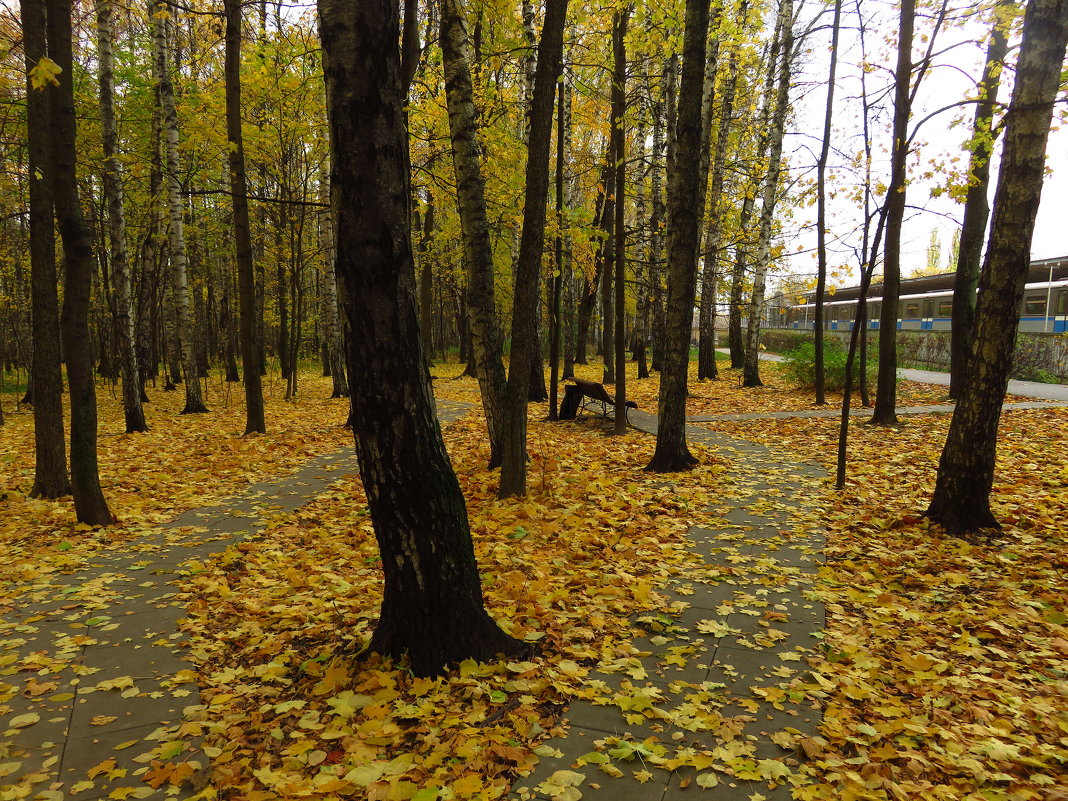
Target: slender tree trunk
{"points": [[976, 207], [685, 201], [246, 291], [471, 200], [112, 185], [46, 377], [426, 275], [432, 605], [528, 267], [558, 261], [776, 131], [589, 296], [885, 412], [89, 503], [608, 252], [821, 206], [619, 110], [741, 267], [961, 500], [716, 162], [706, 349], [333, 333], [185, 345]]}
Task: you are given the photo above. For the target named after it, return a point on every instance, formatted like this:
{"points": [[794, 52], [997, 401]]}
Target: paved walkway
{"points": [[92, 688], [1027, 389], [742, 635]]}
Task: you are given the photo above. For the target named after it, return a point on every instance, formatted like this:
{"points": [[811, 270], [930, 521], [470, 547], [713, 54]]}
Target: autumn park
{"points": [[469, 399]]}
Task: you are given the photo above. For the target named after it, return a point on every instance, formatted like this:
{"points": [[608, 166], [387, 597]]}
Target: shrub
{"points": [[799, 366], [781, 340]]}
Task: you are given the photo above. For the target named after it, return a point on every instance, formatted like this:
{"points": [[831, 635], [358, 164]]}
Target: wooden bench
{"points": [[587, 395]]}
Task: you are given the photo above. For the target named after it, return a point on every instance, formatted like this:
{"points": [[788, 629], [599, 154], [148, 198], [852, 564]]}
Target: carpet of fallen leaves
{"points": [[945, 668], [182, 462], [276, 622], [946, 665]]}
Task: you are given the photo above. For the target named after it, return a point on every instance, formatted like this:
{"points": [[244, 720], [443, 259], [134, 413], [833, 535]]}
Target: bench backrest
{"points": [[591, 389]]}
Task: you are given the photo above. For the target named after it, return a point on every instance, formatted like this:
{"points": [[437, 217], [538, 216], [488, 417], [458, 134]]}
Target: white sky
{"points": [[953, 79]]}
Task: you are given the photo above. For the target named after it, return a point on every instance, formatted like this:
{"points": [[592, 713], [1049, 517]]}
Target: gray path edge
{"points": [[589, 724]]}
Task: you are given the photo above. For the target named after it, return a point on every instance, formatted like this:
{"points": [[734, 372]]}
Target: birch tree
{"points": [[161, 24]]}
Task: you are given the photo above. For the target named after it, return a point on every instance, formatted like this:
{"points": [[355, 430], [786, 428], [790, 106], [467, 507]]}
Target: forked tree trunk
{"points": [[684, 199], [706, 348], [246, 291], [185, 345], [89, 503], [46, 378], [961, 500], [528, 266], [470, 185], [780, 72], [432, 606]]}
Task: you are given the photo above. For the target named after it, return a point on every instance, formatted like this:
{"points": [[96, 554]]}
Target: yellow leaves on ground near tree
{"points": [[946, 664], [287, 708], [182, 462]]}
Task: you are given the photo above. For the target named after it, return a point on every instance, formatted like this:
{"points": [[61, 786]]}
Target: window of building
{"points": [[1035, 305]]}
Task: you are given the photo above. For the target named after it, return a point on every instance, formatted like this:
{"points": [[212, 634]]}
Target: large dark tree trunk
{"points": [[89, 503], [471, 201], [684, 200], [528, 267], [976, 208], [50, 473], [246, 289], [885, 412], [432, 606], [961, 500]]}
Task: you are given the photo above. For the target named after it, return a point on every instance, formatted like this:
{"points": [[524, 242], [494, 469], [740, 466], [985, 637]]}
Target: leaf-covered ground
{"points": [[944, 674], [182, 462]]}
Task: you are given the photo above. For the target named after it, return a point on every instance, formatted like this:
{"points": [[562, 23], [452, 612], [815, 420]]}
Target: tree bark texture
{"points": [[619, 109], [706, 348], [684, 199], [333, 331], [50, 472], [185, 346], [471, 200], [976, 209], [961, 500], [821, 206], [112, 185], [246, 289], [89, 504], [885, 412], [780, 71], [432, 607], [528, 267]]}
